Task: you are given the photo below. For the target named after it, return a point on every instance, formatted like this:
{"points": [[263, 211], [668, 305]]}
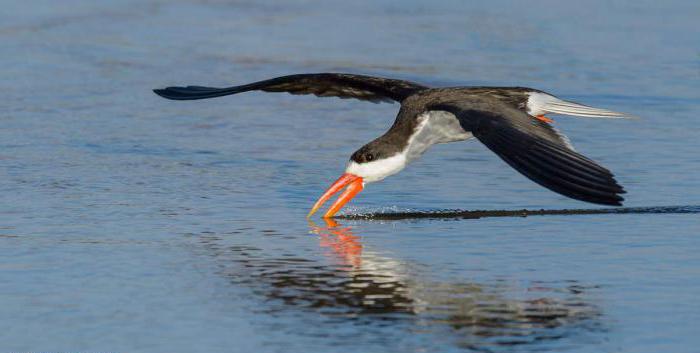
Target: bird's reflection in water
{"points": [[372, 284], [366, 287], [483, 314]]}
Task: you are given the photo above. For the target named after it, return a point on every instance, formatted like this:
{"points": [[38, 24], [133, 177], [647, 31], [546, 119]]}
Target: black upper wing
{"points": [[536, 150], [374, 89]]}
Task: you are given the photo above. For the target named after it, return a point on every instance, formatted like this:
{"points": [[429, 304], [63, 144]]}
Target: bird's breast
{"points": [[434, 127]]}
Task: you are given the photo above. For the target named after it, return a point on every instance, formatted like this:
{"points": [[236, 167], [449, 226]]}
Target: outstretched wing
{"points": [[536, 150], [373, 89]]}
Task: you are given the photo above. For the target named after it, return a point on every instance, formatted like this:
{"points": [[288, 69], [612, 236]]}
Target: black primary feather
{"points": [[536, 150], [374, 89]]}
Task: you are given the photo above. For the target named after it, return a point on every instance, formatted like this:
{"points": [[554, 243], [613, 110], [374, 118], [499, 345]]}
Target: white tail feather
{"points": [[541, 103]]}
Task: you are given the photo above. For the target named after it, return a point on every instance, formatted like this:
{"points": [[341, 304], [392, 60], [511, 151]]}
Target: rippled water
{"points": [[131, 223]]}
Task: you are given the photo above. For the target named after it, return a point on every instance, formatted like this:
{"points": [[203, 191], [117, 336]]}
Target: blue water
{"points": [[129, 223]]}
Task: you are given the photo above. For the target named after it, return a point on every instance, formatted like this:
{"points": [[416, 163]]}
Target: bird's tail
{"points": [[542, 103]]}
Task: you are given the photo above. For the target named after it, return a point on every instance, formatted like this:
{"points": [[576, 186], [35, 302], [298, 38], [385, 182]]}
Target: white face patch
{"points": [[379, 169]]}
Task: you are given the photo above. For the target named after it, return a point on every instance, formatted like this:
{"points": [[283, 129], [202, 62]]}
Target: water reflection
{"points": [[481, 315], [345, 245], [351, 282], [372, 283]]}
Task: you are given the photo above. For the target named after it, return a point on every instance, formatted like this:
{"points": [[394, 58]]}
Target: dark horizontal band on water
{"points": [[465, 214]]}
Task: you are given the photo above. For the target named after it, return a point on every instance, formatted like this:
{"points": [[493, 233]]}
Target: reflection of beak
{"points": [[354, 184], [341, 240]]}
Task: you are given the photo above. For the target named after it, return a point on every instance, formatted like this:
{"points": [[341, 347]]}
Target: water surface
{"points": [[129, 223]]}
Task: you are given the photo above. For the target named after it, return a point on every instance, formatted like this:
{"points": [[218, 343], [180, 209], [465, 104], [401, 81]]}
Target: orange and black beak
{"points": [[354, 184]]}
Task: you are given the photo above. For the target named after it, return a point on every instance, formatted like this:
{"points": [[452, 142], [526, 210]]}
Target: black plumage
{"points": [[496, 116]]}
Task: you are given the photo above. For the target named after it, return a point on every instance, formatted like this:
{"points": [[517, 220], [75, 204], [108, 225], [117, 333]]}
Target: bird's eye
{"points": [[369, 157]]}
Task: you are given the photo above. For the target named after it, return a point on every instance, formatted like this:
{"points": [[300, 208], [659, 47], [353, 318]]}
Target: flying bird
{"points": [[510, 121]]}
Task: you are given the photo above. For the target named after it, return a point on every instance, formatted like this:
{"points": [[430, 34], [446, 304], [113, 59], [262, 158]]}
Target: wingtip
{"points": [[161, 92], [176, 93], [620, 202], [617, 200]]}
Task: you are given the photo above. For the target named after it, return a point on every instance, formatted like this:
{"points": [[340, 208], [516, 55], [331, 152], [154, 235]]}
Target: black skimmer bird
{"points": [[510, 121]]}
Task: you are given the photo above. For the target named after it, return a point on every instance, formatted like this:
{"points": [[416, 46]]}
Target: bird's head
{"points": [[373, 162]]}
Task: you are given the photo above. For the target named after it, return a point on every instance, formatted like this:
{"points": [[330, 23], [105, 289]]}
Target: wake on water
{"points": [[393, 213]]}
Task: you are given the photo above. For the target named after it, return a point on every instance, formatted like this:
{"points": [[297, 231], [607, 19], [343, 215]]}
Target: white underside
{"points": [[433, 127], [542, 103]]}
